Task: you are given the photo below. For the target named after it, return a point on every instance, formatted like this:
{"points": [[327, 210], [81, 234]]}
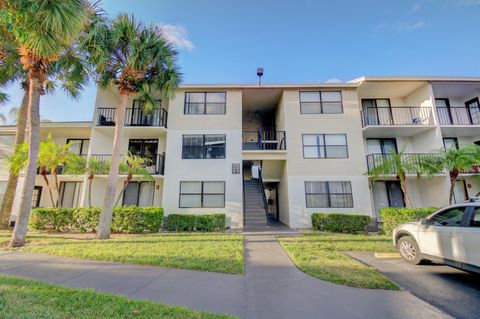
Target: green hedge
{"points": [[126, 219], [202, 223], [392, 217], [340, 223]]}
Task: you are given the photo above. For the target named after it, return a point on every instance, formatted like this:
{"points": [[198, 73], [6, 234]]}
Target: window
{"points": [[139, 194], [37, 193], [80, 146], [326, 102], [328, 194], [450, 143], [448, 218], [202, 194], [382, 146], [475, 221], [210, 146], [325, 146], [205, 102], [70, 194], [146, 148]]}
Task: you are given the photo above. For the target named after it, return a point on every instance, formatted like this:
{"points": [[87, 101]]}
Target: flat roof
{"points": [[416, 78], [11, 127], [267, 85]]}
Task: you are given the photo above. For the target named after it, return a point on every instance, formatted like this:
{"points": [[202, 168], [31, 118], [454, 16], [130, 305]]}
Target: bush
{"points": [[340, 223], [202, 223], [126, 219], [392, 217], [134, 219], [51, 219]]}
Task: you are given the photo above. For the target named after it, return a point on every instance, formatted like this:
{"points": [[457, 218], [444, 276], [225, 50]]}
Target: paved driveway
{"points": [[454, 291]]}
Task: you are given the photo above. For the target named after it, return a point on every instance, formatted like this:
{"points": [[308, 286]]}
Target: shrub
{"points": [[392, 217], [126, 219], [134, 219], [202, 223], [51, 219], [340, 223]]}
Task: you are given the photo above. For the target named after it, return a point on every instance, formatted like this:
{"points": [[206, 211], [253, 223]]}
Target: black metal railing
{"points": [[458, 115], [155, 166], [387, 163], [264, 197], [133, 117], [397, 115], [264, 140]]}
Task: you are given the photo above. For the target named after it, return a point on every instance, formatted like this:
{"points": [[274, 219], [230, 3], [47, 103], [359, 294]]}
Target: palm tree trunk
{"points": [[123, 190], [7, 202], [403, 186], [21, 225], [45, 178], [90, 181], [107, 210], [57, 186], [453, 179]]}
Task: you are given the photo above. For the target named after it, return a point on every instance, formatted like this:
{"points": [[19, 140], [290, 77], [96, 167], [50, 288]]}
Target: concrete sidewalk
{"points": [[272, 287]]}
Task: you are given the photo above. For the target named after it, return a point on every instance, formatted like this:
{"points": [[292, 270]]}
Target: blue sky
{"points": [[300, 41]]}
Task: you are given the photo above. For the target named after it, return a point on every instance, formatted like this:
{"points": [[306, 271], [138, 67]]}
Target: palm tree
{"points": [[133, 165], [399, 164], [51, 158], [454, 161], [137, 60], [42, 31]]}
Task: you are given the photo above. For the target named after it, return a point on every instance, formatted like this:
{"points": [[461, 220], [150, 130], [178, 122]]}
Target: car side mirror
{"points": [[423, 221]]}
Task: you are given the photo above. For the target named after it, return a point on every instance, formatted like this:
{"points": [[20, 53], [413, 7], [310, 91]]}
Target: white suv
{"points": [[450, 236]]}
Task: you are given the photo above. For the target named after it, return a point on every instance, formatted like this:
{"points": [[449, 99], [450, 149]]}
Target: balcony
{"points": [[458, 115], [156, 167], [264, 140], [133, 117], [397, 115], [414, 159]]}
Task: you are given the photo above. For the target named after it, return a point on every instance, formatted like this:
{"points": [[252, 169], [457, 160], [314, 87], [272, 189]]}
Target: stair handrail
{"points": [[264, 197]]}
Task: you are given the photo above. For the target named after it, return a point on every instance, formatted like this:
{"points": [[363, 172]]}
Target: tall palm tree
{"points": [[42, 31], [137, 60], [133, 165]]}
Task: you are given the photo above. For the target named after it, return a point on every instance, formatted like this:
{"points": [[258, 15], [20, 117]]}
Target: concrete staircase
{"points": [[255, 214]]}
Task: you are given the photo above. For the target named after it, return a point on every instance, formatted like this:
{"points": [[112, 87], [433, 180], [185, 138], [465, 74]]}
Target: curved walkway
{"points": [[272, 286]]}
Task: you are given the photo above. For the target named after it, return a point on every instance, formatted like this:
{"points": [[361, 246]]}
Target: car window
{"points": [[449, 218], [475, 221]]}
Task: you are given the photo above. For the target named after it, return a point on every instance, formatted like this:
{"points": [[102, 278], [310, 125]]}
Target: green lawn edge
{"points": [[322, 255], [212, 252], [29, 299]]}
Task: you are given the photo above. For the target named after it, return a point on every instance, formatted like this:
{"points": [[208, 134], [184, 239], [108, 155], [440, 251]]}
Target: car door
{"points": [[468, 250], [437, 237]]}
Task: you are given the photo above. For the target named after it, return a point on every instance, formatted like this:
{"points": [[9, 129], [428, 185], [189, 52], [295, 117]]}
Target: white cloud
{"points": [[178, 36], [333, 80], [409, 26], [415, 8]]}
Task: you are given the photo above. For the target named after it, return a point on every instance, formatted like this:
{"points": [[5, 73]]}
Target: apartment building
{"points": [[276, 152]]}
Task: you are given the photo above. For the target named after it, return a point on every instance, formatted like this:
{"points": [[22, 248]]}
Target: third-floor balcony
{"points": [[397, 116], [133, 117]]}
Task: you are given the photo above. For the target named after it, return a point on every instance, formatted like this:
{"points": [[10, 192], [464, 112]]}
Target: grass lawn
{"points": [[22, 298], [214, 252], [322, 256]]}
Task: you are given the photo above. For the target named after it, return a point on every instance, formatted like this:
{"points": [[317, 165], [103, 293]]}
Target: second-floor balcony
{"points": [[133, 117], [155, 166], [458, 115], [386, 163], [397, 115], [264, 140]]}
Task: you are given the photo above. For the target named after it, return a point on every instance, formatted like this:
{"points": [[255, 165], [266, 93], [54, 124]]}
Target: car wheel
{"points": [[409, 250]]}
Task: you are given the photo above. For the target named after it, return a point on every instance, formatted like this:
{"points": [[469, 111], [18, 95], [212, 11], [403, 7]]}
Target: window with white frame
{"points": [[328, 194], [206, 194], [205, 102], [325, 146], [321, 102]]}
